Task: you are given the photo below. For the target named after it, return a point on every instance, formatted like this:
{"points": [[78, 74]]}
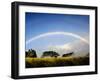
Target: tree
{"points": [[31, 53], [34, 53], [50, 54], [26, 54], [67, 54]]}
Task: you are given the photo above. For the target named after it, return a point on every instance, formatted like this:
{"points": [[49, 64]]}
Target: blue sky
{"points": [[39, 23]]}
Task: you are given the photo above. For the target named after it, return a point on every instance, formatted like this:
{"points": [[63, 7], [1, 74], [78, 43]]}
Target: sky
{"points": [[40, 23]]}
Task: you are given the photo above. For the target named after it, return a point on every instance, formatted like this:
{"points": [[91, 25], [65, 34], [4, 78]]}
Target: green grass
{"points": [[53, 62]]}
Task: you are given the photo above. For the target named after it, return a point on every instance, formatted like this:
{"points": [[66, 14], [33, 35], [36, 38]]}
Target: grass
{"points": [[53, 62]]}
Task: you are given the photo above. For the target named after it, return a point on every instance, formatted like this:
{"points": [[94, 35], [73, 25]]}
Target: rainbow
{"points": [[57, 33]]}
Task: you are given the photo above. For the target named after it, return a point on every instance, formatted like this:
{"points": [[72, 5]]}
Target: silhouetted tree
{"points": [[50, 54], [67, 54], [31, 53], [34, 53], [26, 54]]}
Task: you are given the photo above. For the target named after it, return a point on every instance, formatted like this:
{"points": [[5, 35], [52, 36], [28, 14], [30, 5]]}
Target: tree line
{"points": [[32, 53]]}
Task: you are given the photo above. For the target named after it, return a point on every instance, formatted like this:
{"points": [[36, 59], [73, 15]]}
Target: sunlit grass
{"points": [[53, 61]]}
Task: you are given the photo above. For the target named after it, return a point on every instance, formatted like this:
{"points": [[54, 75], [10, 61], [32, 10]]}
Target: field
{"points": [[53, 61]]}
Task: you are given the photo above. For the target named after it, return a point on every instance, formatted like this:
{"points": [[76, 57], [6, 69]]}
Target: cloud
{"points": [[78, 47]]}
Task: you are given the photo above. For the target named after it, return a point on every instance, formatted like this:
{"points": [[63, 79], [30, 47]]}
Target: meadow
{"points": [[32, 62]]}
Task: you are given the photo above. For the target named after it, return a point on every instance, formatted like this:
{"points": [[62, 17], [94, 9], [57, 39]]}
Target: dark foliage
{"points": [[50, 53], [31, 53], [67, 54]]}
